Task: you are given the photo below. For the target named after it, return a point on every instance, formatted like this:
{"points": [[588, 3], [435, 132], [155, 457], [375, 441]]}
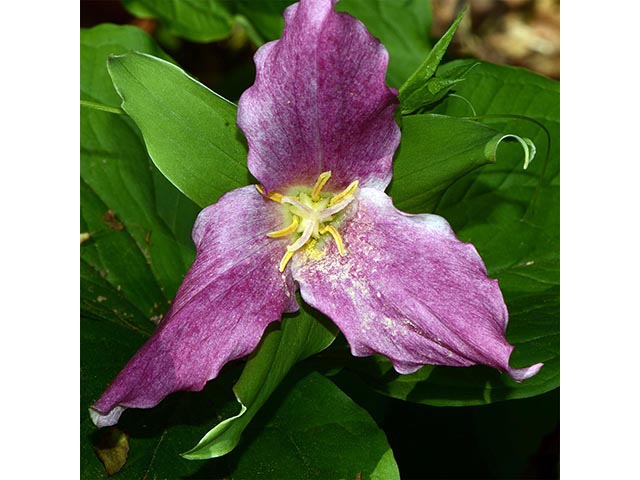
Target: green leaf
{"points": [[403, 28], [435, 89], [415, 91], [96, 44], [299, 337], [265, 17], [131, 246], [512, 217], [189, 131], [211, 20], [195, 20], [434, 152], [316, 432]]}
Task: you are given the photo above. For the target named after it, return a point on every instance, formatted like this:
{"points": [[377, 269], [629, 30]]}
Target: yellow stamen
{"points": [[323, 178], [347, 192], [285, 231], [336, 236], [276, 197], [309, 213], [285, 260]]}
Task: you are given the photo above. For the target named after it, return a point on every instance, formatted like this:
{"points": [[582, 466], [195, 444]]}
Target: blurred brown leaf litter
{"points": [[523, 33]]}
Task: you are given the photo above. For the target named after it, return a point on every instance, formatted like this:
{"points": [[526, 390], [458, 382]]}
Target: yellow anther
{"points": [[336, 236], [323, 178], [276, 197], [285, 260], [285, 231], [347, 192]]}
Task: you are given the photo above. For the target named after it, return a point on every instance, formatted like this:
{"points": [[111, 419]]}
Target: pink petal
{"points": [[229, 296], [320, 103], [408, 289]]}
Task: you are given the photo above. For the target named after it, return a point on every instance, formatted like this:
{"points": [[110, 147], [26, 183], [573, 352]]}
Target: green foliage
{"points": [[435, 151], [134, 244], [189, 131], [299, 337], [265, 18], [421, 89], [434, 89], [133, 261], [96, 44], [316, 432], [512, 217], [196, 20], [210, 20], [403, 28]]}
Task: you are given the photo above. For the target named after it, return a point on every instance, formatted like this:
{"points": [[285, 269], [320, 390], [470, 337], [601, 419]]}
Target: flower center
{"points": [[311, 215]]}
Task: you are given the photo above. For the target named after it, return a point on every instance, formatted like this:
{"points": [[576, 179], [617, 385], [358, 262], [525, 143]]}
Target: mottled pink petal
{"points": [[229, 296], [408, 289], [320, 103]]}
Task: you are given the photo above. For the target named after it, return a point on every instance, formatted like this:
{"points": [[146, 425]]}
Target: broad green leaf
{"points": [[434, 152], [265, 17], [316, 432], [96, 44], [299, 337], [131, 245], [196, 20], [189, 131], [511, 215], [403, 28], [417, 91]]}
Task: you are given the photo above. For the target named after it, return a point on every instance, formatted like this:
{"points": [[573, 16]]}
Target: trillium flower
{"points": [[319, 121]]}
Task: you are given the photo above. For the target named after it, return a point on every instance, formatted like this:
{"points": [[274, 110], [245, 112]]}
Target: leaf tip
{"points": [[528, 147], [114, 59]]}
